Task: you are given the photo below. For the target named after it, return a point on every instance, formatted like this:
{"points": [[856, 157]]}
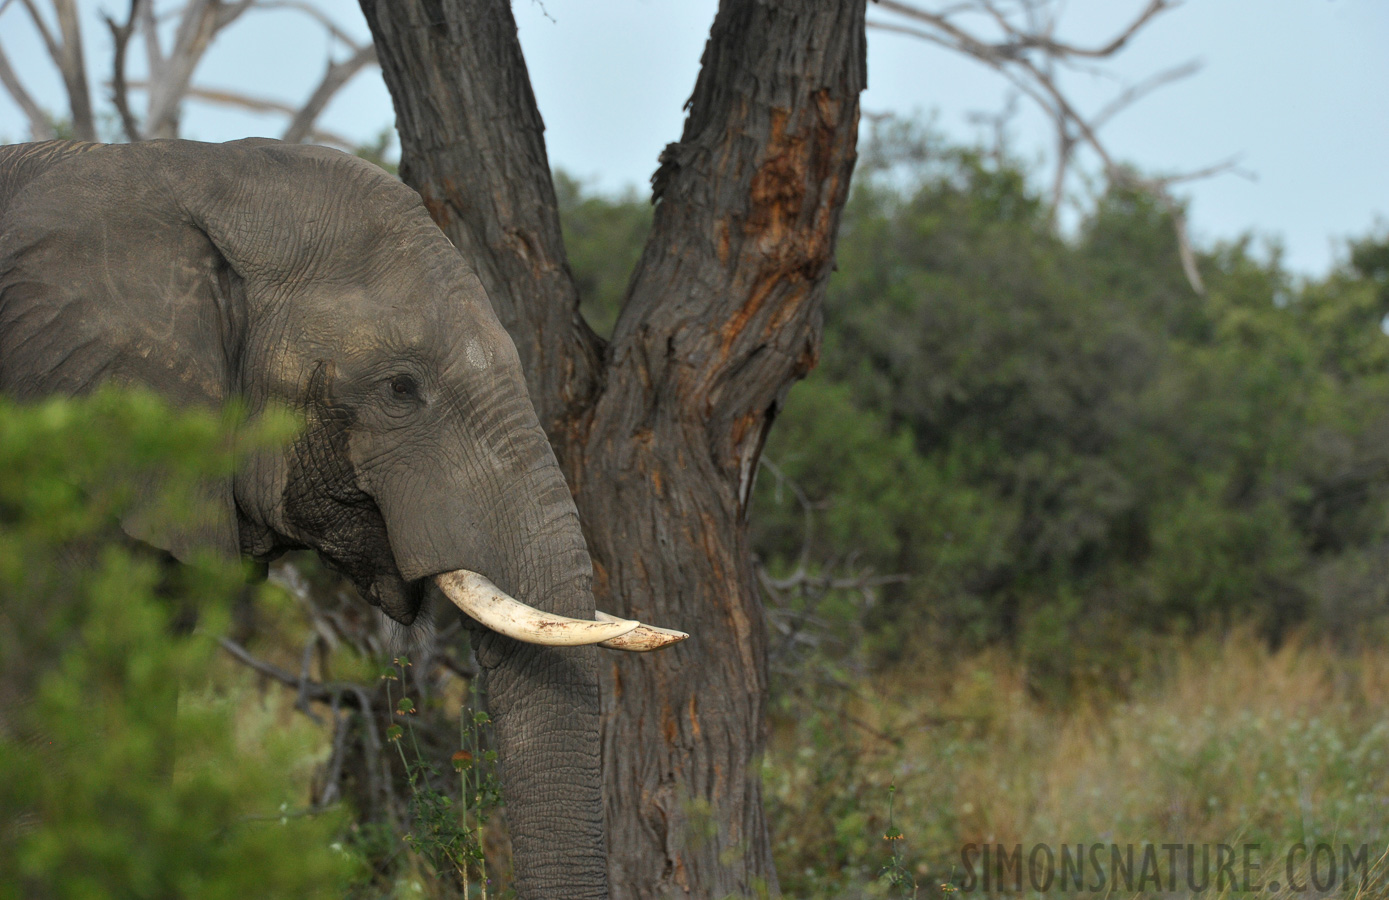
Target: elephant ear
{"points": [[105, 277]]}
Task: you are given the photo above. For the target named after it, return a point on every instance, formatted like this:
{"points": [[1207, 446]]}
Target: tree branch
{"points": [[1028, 56], [222, 97], [149, 33], [55, 52], [337, 693], [229, 13], [1021, 40], [199, 23], [40, 128], [313, 12], [73, 66], [120, 94], [67, 55], [1136, 92], [336, 76]]}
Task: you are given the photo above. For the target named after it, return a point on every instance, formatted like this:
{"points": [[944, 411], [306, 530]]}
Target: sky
{"points": [[1286, 87]]}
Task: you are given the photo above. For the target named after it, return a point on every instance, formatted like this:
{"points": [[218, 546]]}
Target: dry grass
{"points": [[1222, 743]]}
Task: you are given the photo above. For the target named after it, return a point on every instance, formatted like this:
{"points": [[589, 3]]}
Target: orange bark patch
{"points": [[792, 200], [778, 188], [694, 718], [739, 322], [741, 427], [669, 727]]}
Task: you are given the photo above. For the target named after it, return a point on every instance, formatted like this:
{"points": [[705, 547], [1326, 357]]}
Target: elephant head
{"points": [[280, 274]]}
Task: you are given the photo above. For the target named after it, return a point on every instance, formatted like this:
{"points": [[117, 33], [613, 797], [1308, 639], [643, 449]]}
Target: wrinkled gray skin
{"points": [[276, 273]]}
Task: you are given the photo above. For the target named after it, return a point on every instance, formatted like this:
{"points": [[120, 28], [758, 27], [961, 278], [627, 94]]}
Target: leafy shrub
{"points": [[121, 771]]}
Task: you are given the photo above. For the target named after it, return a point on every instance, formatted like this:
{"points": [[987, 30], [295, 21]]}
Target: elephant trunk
{"points": [[546, 731], [489, 518], [491, 521], [544, 704]]}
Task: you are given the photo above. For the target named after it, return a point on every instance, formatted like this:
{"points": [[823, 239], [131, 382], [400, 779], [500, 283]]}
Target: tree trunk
{"points": [[660, 431]]}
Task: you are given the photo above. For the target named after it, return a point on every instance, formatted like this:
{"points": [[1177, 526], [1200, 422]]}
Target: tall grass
{"points": [[1218, 742]]}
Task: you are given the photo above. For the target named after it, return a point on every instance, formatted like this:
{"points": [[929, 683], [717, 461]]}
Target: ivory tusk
{"points": [[642, 639], [491, 606]]}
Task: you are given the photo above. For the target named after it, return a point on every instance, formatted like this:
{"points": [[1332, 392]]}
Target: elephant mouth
{"points": [[400, 599]]}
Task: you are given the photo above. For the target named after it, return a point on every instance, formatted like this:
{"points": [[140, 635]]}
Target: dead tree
{"points": [[62, 38], [1019, 40], [660, 428], [169, 84]]}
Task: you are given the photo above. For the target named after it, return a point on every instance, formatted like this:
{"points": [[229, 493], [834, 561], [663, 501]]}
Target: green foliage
{"points": [[448, 831], [1064, 446], [120, 771], [604, 238], [1060, 444]]}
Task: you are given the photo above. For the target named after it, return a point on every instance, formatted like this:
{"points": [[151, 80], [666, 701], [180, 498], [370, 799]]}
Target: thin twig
{"points": [[313, 690]]}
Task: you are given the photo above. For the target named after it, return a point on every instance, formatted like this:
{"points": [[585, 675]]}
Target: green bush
{"points": [[121, 774]]}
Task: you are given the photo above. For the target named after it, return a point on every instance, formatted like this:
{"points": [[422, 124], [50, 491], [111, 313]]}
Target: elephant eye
{"points": [[404, 386]]}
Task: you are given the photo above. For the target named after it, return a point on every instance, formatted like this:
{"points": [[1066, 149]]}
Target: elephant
{"points": [[265, 273]]}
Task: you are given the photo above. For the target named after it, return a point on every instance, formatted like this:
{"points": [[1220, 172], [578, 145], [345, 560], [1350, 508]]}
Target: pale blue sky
{"points": [[1294, 88]]}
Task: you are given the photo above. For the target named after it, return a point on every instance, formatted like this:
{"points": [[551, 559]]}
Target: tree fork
{"points": [[660, 431], [472, 143]]}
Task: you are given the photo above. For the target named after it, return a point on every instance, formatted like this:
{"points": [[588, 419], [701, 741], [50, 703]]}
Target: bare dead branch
{"points": [[120, 94], [338, 693], [65, 49], [337, 75], [54, 51], [1184, 251], [196, 28], [912, 31], [1228, 165], [313, 12], [149, 34], [1136, 92], [40, 128], [255, 104], [73, 65], [1028, 56], [228, 13], [1118, 42], [793, 601], [1020, 40]]}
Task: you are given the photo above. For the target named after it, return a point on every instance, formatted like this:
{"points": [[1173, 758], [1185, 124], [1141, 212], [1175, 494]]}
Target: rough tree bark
{"points": [[659, 430]]}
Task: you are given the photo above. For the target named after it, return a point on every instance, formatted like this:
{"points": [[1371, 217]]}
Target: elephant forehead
{"points": [[353, 318], [453, 333]]}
